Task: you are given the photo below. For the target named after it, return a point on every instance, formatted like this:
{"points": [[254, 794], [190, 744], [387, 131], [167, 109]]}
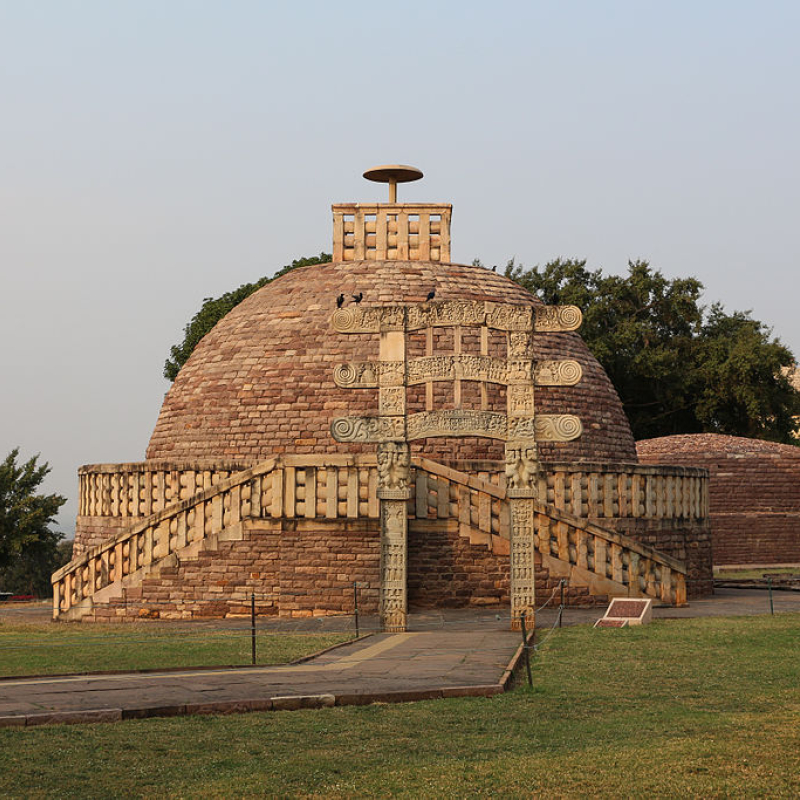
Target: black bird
{"points": [[431, 294], [494, 268], [358, 297], [339, 301]]}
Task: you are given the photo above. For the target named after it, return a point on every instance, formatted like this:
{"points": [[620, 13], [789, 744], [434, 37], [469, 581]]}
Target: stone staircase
{"points": [[344, 488]]}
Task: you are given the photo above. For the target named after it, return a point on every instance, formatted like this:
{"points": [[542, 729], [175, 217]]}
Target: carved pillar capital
{"points": [[394, 471]]}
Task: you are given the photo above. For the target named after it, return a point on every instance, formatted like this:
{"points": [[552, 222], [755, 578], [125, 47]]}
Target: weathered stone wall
{"points": [[446, 571], [754, 490], [93, 531], [300, 569], [295, 568]]}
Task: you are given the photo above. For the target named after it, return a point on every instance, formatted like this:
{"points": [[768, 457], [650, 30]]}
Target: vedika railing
{"points": [[344, 487]]}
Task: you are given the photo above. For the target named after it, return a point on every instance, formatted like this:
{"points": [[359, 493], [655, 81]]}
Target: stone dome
{"points": [[261, 382], [754, 493]]}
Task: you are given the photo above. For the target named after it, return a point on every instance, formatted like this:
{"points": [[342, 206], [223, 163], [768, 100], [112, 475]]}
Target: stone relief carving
{"points": [[507, 317], [456, 422], [522, 467], [457, 367], [519, 345], [520, 400], [557, 427], [392, 400], [446, 313], [557, 373], [368, 429], [369, 374], [394, 466], [558, 318], [365, 319], [520, 371]]}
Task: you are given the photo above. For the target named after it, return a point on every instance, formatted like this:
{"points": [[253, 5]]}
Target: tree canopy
{"points": [[27, 542], [678, 366], [215, 308]]}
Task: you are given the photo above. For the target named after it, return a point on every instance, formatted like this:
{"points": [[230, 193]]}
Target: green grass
{"points": [[50, 648], [751, 574], [707, 708]]}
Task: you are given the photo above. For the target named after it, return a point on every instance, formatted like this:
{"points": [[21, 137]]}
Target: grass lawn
{"points": [[751, 574], [50, 648], [707, 708]]}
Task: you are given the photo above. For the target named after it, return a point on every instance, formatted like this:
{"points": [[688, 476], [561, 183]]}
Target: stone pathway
{"points": [[446, 654], [466, 660]]}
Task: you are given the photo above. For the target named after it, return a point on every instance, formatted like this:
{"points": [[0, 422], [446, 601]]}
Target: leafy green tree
{"points": [[30, 571], [26, 516], [215, 308], [678, 367]]}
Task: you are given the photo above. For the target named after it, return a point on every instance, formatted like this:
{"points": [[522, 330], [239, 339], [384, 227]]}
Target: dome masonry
{"points": [[261, 382]]}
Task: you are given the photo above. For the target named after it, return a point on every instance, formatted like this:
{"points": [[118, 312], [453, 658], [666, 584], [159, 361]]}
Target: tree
{"points": [[30, 571], [215, 308], [26, 516], [677, 366]]}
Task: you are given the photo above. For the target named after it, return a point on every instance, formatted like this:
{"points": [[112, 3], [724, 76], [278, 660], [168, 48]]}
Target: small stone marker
{"points": [[625, 611]]}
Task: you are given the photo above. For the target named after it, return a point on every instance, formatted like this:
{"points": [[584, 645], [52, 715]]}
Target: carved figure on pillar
{"points": [[394, 468], [522, 466]]}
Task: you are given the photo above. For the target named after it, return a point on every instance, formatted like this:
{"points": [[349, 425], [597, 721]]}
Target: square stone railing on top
{"points": [[391, 231]]}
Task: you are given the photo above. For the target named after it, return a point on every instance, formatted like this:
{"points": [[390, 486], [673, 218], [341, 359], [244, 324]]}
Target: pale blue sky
{"points": [[156, 153]]}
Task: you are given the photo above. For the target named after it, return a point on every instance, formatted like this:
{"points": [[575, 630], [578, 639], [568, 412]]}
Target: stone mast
{"points": [[405, 232]]}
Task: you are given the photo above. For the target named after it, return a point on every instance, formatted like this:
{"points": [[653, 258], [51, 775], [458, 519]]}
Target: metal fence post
{"points": [[355, 604], [525, 649], [253, 625]]}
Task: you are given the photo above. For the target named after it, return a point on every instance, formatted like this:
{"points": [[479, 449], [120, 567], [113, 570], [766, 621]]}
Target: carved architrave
{"points": [[545, 428], [506, 317], [452, 313], [446, 313], [557, 373], [556, 427], [558, 318], [368, 429], [394, 560], [369, 374], [457, 367], [456, 422], [366, 319]]}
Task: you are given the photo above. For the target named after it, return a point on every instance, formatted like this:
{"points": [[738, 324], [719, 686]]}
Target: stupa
{"points": [[253, 482]]}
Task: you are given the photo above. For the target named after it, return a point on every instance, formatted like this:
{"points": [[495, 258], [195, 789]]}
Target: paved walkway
{"points": [[447, 653]]}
